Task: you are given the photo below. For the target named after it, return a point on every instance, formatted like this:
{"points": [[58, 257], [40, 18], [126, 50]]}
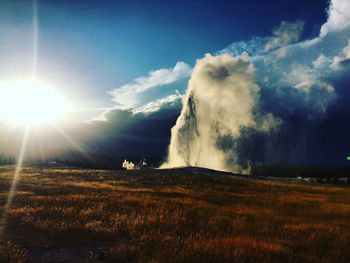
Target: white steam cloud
{"points": [[221, 100]]}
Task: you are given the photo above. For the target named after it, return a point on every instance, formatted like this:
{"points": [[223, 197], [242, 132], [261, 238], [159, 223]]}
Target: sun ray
{"points": [[73, 143], [15, 179], [35, 39]]}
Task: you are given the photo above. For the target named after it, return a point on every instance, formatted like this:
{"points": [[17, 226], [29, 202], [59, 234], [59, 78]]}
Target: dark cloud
{"points": [[306, 136], [101, 144], [130, 135]]}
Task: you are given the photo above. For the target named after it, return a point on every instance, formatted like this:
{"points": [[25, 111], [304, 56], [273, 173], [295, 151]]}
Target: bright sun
{"points": [[30, 102]]}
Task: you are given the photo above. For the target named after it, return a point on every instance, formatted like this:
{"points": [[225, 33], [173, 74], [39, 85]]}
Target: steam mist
{"points": [[221, 100]]}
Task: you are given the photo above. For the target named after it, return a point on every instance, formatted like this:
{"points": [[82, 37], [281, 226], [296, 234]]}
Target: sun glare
{"points": [[31, 102]]}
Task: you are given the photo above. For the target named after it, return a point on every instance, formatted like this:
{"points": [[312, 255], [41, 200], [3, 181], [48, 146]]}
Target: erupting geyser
{"points": [[222, 98]]}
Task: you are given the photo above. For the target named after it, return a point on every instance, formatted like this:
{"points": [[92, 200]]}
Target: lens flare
{"points": [[31, 102], [16, 178]]}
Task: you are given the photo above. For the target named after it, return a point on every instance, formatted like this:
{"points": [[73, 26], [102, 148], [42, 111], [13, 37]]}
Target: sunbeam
{"points": [[35, 39], [72, 142], [16, 178]]}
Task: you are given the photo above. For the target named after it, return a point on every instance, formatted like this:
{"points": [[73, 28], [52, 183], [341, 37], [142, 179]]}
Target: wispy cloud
{"points": [[130, 95], [285, 34], [153, 106]]}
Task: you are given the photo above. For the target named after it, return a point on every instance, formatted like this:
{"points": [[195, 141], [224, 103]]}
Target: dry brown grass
{"points": [[65, 215]]}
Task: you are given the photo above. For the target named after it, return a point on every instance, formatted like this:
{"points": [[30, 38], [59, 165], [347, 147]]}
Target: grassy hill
{"points": [[180, 215]]}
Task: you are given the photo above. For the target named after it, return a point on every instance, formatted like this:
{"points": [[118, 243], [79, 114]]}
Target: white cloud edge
{"points": [[338, 17], [156, 105], [127, 95]]}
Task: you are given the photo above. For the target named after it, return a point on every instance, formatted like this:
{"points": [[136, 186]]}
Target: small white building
{"points": [[128, 165]]}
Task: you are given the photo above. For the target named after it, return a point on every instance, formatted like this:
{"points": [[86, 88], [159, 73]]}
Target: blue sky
{"points": [[91, 47]]}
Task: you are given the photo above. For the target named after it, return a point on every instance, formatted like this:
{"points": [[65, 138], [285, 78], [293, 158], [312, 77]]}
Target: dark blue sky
{"points": [[97, 46], [146, 35]]}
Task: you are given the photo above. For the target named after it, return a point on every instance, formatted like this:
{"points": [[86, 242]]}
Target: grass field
{"points": [[72, 215]]}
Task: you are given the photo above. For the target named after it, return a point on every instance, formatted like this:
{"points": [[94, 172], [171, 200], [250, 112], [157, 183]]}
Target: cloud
{"points": [[300, 77], [346, 50], [281, 52], [338, 17], [130, 95], [130, 134], [106, 143], [320, 61], [285, 34], [153, 106], [341, 59], [254, 46], [304, 78]]}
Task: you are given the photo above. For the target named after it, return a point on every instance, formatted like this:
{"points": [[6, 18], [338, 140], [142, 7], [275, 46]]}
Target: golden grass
{"points": [[73, 215]]}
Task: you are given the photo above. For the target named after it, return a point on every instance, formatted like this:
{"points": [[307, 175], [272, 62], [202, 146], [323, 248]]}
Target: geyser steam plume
{"points": [[221, 99]]}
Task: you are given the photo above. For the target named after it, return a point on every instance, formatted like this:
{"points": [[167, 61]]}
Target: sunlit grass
{"points": [[172, 216]]}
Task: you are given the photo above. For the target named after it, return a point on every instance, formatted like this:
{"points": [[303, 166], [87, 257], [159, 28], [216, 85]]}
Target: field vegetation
{"points": [[74, 215]]}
